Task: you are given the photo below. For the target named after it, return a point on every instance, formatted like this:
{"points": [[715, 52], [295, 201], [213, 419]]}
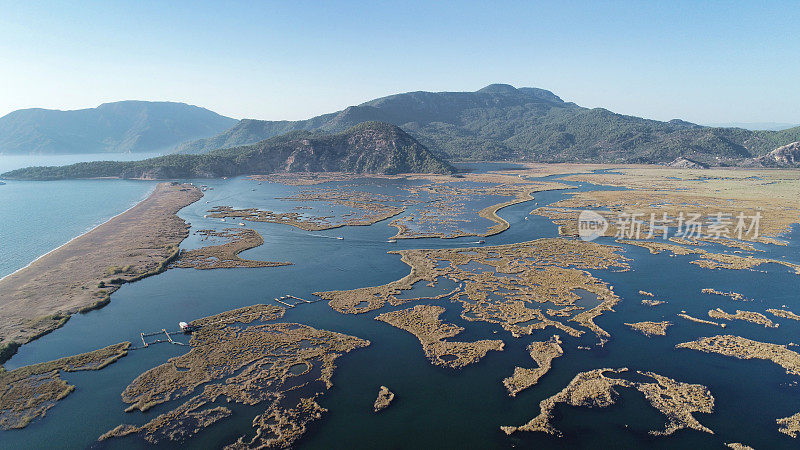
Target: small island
{"points": [[385, 398]]}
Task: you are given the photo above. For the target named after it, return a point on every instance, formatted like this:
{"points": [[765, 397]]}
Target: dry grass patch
{"points": [[28, 392], [423, 322], [543, 354], [237, 357], [790, 426], [676, 400], [225, 256], [747, 316], [529, 286], [743, 348], [651, 328]]}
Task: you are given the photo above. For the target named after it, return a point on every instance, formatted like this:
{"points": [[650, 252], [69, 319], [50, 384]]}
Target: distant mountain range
{"points": [[128, 126], [370, 147], [771, 126], [502, 122], [498, 122]]}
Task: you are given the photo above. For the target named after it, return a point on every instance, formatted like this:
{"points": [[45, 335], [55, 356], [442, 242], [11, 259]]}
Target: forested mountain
{"points": [[369, 147], [128, 126], [503, 122]]}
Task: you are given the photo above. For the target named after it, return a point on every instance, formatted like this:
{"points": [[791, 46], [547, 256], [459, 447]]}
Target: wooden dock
{"points": [[284, 303], [298, 298], [162, 333]]}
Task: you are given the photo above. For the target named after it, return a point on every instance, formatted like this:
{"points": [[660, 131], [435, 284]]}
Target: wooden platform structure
{"points": [[163, 332], [295, 300]]}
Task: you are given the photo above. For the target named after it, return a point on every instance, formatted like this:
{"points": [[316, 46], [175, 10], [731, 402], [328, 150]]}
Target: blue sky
{"points": [[701, 61]]}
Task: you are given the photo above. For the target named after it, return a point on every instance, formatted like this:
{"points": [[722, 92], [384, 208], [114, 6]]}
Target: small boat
{"points": [[222, 220], [392, 241], [339, 238], [241, 224], [481, 241], [205, 216], [526, 217]]}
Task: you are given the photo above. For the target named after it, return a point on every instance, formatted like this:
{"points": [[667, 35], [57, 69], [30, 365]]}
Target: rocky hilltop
{"points": [[370, 147], [784, 156], [686, 163]]}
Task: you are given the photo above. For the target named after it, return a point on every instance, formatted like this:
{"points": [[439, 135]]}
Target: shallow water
{"points": [[37, 216], [435, 407]]}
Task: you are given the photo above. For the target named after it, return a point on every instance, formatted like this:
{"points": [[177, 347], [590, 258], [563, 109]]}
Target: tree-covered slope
{"points": [[369, 147], [128, 126], [503, 122]]}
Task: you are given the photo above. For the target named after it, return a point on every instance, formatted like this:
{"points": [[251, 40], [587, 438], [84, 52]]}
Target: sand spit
{"points": [[81, 275], [543, 354], [676, 400], [238, 357], [651, 328], [743, 348], [423, 322], [28, 392], [385, 397], [225, 256], [747, 316]]}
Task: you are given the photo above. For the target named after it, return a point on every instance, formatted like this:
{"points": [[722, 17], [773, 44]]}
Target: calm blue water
{"points": [[435, 407], [36, 216]]}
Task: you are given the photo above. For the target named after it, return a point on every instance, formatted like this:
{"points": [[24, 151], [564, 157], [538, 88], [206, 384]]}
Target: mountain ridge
{"points": [[112, 127], [501, 122], [370, 147]]}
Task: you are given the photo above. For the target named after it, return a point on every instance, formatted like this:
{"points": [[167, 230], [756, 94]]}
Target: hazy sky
{"points": [[720, 61]]}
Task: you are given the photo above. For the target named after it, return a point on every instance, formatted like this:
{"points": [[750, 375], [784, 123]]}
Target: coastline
{"points": [[88, 230], [80, 275]]}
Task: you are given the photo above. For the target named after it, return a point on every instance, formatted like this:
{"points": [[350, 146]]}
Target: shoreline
{"points": [[81, 275], [91, 228]]}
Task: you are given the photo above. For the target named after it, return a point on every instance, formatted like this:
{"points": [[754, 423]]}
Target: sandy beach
{"points": [[81, 274]]}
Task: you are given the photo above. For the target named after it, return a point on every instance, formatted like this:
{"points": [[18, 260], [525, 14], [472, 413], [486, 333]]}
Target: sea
{"points": [[36, 217], [435, 407]]}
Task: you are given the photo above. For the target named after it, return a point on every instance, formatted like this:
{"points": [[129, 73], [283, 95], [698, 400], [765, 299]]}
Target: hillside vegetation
{"points": [[129, 126], [369, 147], [503, 122]]}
